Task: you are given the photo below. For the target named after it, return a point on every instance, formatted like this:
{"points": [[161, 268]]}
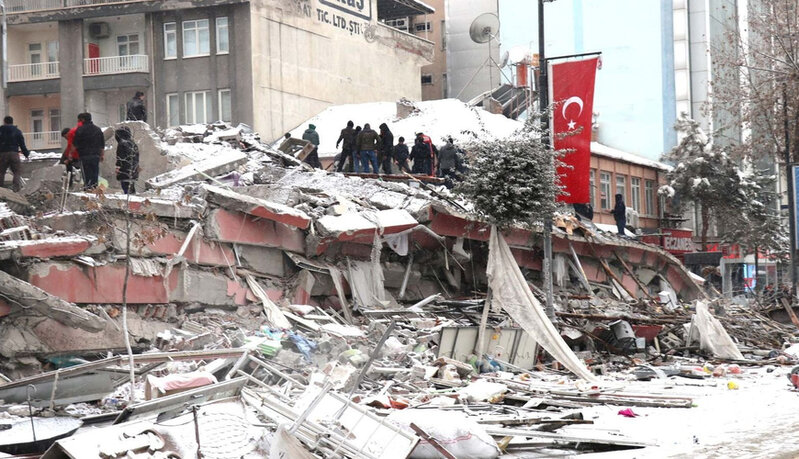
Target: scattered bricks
{"points": [[200, 170], [230, 200], [240, 228]]}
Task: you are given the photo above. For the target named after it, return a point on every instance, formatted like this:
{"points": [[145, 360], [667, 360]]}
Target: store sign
{"points": [[359, 8], [678, 241]]}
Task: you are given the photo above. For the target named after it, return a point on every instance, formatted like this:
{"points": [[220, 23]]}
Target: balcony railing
{"points": [[28, 72], [26, 6], [42, 140], [116, 64]]}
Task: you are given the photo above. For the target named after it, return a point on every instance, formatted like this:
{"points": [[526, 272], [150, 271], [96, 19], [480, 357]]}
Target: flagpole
{"points": [[543, 102]]}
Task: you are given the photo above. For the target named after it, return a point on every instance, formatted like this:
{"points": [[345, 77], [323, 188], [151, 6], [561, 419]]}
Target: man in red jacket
{"points": [[70, 156]]}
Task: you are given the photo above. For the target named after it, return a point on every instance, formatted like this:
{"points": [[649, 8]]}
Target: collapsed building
{"points": [[289, 288]]}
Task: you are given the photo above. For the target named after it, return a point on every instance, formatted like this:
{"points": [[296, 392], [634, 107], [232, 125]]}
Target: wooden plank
{"points": [[789, 310], [635, 278]]}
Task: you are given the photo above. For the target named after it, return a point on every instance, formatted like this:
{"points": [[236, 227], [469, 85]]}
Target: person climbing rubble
{"points": [[420, 155], [401, 155], [347, 139], [127, 165], [11, 144], [89, 142], [312, 136], [432, 152], [368, 143]]}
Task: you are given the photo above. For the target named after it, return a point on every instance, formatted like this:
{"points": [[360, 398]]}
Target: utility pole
{"points": [[789, 178], [543, 102]]}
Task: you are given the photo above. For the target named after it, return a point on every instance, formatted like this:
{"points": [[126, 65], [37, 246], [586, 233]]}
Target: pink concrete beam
{"points": [[55, 247], [239, 228], [231, 200], [199, 251]]}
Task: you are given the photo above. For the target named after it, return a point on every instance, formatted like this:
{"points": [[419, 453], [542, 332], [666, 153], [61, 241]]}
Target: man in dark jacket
{"points": [[420, 154], [11, 143], [620, 214], [368, 142], [127, 166], [348, 138], [386, 148], [448, 162], [401, 155], [431, 163], [90, 142], [136, 109], [312, 136]]}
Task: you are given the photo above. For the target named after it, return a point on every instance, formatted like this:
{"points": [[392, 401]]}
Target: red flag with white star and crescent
{"points": [[572, 101]]}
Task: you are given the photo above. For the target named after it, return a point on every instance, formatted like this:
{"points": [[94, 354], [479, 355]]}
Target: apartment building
{"points": [[267, 63]]}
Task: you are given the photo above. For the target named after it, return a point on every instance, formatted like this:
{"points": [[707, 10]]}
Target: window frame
{"points": [[169, 109], [227, 34], [635, 194], [604, 190], [186, 105], [427, 75], [426, 26], [197, 31], [649, 197], [174, 33], [623, 191], [230, 104], [127, 44], [592, 188]]}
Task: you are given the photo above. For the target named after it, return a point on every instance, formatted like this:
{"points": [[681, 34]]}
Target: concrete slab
{"points": [[66, 246], [167, 242], [240, 228], [199, 170], [231, 200], [160, 207], [152, 159]]}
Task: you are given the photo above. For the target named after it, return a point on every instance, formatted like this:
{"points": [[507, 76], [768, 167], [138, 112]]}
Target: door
{"points": [[94, 58]]}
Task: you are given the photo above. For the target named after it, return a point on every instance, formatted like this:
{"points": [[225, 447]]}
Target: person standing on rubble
{"points": [[386, 148], [312, 136], [136, 109], [420, 155], [620, 214], [11, 143], [356, 152], [368, 142], [127, 165], [448, 162], [348, 138], [433, 153], [401, 156], [90, 143]]}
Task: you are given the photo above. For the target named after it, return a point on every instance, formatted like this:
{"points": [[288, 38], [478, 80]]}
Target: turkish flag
{"points": [[572, 101]]}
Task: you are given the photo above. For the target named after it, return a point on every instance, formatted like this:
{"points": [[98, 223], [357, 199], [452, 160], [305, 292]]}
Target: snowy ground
{"points": [[758, 420]]}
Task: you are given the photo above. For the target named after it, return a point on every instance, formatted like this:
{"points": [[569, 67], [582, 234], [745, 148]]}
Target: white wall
{"points": [[118, 25]]}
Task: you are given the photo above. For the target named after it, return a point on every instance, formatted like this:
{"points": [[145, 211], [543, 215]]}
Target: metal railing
{"points": [[116, 64], [42, 140], [26, 6], [28, 72]]}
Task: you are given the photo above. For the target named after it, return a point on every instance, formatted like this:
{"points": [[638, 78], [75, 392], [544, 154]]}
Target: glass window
{"points": [[635, 193], [170, 40], [52, 58], [649, 196], [222, 38], [424, 26], [621, 187], [604, 189], [127, 45], [55, 120], [591, 187], [197, 107], [196, 41], [427, 79], [224, 105], [172, 110]]}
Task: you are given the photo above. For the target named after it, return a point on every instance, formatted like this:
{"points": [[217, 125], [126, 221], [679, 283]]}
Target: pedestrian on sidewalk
{"points": [[620, 214], [368, 142], [401, 155], [127, 165], [90, 143], [136, 109], [420, 155], [386, 148], [312, 136], [11, 143], [347, 139]]}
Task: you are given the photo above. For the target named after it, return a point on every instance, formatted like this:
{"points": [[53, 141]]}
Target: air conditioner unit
{"points": [[99, 30]]}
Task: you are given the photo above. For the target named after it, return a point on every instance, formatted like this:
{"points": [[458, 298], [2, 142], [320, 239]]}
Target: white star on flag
{"points": [[572, 124]]}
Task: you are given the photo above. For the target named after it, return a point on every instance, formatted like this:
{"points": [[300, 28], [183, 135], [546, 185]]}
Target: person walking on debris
{"points": [[432, 153], [11, 143], [89, 142], [312, 136], [127, 166], [620, 214], [136, 109], [386, 148], [368, 142], [401, 155], [347, 139], [420, 155], [448, 162], [356, 152]]}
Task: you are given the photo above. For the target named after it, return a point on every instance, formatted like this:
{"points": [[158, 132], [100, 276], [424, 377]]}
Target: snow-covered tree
{"points": [[513, 180]]}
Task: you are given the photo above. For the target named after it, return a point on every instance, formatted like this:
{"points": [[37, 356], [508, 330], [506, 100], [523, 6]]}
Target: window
{"points": [[222, 37], [35, 55], [621, 186], [170, 40], [224, 105], [197, 107], [423, 27], [37, 126], [427, 79], [604, 190], [172, 113], [400, 24], [195, 38], [635, 193], [52, 58], [127, 45], [591, 187], [55, 120], [649, 196]]}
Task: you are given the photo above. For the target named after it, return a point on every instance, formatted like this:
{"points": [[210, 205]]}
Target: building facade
{"points": [[267, 63]]}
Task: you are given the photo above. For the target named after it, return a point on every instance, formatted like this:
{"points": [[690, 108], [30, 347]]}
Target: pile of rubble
{"points": [[275, 309]]}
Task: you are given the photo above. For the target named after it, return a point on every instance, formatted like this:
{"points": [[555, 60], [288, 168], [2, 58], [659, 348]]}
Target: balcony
{"points": [[47, 140], [136, 63], [25, 6], [31, 72]]}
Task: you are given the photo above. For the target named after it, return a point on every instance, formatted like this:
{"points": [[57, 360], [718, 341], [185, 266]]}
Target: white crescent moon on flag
{"points": [[572, 100]]}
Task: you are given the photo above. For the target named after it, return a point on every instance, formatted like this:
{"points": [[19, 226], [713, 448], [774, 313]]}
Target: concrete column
{"points": [[70, 57]]}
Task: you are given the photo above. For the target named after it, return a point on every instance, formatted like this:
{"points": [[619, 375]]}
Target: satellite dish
{"points": [[484, 28], [504, 61]]}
